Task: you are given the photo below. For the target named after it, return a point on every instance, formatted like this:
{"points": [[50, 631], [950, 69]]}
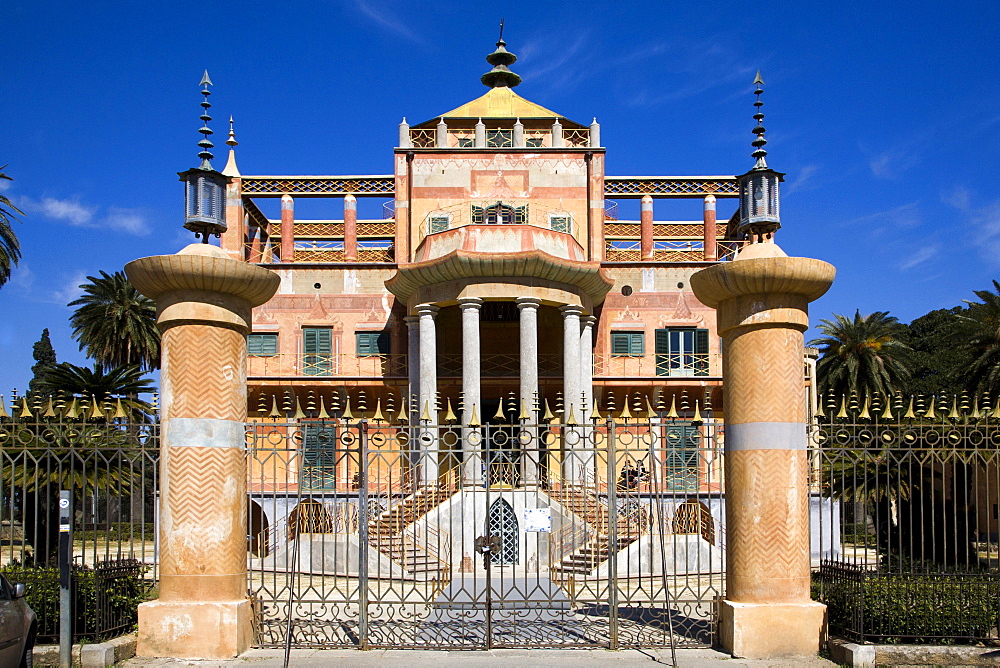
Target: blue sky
{"points": [[885, 116]]}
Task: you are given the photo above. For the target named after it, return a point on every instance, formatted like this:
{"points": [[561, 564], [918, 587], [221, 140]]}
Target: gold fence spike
{"points": [[427, 412], [347, 414], [595, 414], [50, 409], [298, 409], [378, 417], [449, 415], [500, 415], [864, 414], [25, 410], [120, 410], [649, 409], [887, 413], [95, 409], [524, 412], [819, 406], [930, 411], [274, 407], [549, 416], [697, 414], [996, 409], [625, 414], [323, 415], [672, 413], [403, 416], [474, 420], [975, 410], [842, 413], [572, 415], [3, 408], [73, 412], [910, 415], [954, 414]]}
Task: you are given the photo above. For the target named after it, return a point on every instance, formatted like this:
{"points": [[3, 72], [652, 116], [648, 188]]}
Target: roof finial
{"points": [[501, 59], [759, 141], [231, 142], [205, 143]]}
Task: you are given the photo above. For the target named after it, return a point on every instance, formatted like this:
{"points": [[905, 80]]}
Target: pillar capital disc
{"points": [[427, 309], [571, 310], [470, 302], [528, 302], [202, 283], [802, 276]]}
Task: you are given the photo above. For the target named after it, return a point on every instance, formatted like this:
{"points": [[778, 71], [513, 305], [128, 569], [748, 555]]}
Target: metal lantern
{"points": [[204, 201], [204, 188], [759, 202]]}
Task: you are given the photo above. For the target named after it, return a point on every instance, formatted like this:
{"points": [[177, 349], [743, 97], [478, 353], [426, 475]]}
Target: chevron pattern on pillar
{"points": [[765, 377], [206, 491], [767, 532], [205, 369]]}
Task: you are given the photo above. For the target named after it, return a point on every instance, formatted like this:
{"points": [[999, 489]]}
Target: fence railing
{"points": [[907, 543]]}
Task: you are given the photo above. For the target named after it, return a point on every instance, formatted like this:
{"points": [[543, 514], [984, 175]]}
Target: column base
{"points": [[195, 629], [771, 630]]}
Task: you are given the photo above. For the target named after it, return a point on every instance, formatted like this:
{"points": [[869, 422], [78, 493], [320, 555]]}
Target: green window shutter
{"points": [[637, 344], [701, 352], [262, 345], [559, 223], [317, 345], [438, 224], [662, 344], [372, 343]]}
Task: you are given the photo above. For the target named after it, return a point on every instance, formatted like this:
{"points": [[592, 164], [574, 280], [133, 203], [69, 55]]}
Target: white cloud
{"points": [[70, 290], [891, 163], [959, 197], [6, 185], [986, 220], [22, 277], [921, 255], [801, 180], [125, 220], [387, 20], [67, 210], [903, 217]]}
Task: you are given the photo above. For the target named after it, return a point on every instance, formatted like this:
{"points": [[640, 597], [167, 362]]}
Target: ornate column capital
{"points": [[528, 302], [470, 303], [427, 309], [571, 310]]}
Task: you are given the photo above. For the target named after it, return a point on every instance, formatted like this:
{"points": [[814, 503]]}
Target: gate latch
{"points": [[487, 544]]}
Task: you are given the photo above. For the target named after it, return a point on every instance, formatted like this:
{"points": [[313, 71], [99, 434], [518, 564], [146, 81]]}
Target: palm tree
{"points": [[10, 249], [125, 382], [115, 324], [979, 333], [863, 355]]}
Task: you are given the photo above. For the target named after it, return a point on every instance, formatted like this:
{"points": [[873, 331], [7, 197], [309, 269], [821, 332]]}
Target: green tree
{"points": [[10, 248], [937, 364], [115, 324], [979, 334], [863, 355], [45, 359], [123, 381]]}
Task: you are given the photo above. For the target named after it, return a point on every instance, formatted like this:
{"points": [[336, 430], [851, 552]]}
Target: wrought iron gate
{"points": [[364, 534]]}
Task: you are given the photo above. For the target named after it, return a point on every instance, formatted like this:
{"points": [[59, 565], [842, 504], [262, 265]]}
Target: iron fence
{"points": [[108, 458], [909, 547], [369, 534]]}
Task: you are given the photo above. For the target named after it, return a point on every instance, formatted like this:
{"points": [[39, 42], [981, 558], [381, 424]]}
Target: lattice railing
{"points": [[622, 255], [376, 228], [319, 255], [423, 137], [317, 186], [576, 137], [325, 229], [670, 186]]}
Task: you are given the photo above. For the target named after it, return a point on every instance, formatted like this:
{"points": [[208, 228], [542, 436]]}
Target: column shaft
{"points": [[528, 307], [646, 228], [413, 367], [287, 229], [428, 468], [710, 252], [350, 229], [471, 380]]}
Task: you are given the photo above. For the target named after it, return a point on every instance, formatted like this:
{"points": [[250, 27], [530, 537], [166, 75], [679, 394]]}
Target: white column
{"points": [[471, 382], [587, 364], [428, 469], [571, 361], [529, 381], [573, 466], [413, 367]]}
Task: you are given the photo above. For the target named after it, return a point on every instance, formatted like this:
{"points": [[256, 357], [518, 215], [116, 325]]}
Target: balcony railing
{"points": [[346, 365]]}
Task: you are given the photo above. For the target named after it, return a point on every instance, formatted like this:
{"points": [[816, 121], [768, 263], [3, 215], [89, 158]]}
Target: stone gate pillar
{"points": [[762, 299], [203, 303]]}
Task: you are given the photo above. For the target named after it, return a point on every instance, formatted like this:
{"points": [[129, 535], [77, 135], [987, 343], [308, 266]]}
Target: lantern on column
{"points": [[204, 187], [759, 188]]}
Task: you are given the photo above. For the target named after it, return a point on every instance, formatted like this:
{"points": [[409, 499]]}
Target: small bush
{"points": [[935, 608], [105, 599]]}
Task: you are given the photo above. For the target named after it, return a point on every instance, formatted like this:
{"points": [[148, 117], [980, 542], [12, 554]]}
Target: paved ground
{"points": [[686, 658]]}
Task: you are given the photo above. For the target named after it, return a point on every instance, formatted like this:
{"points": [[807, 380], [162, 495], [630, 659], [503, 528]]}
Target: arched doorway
{"points": [[501, 521], [258, 538], [310, 516], [693, 516]]}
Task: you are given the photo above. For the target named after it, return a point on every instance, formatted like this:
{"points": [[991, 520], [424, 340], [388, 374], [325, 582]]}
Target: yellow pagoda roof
{"points": [[501, 102]]}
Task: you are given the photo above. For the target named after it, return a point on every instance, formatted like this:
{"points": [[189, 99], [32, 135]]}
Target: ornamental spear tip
{"points": [[205, 80]]}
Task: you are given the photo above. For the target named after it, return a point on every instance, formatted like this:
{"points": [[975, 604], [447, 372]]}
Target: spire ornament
{"points": [[204, 187], [501, 60], [760, 203]]}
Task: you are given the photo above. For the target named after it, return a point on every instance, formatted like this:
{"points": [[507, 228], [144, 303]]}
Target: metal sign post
{"points": [[65, 559], [487, 546]]}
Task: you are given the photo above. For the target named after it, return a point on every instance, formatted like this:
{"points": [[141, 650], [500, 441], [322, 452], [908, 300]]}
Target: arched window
{"points": [[501, 521], [500, 214]]}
